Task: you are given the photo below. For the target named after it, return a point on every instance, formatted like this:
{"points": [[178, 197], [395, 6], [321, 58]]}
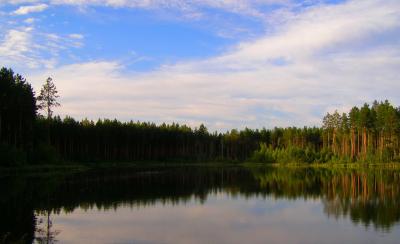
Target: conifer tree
{"points": [[48, 97]]}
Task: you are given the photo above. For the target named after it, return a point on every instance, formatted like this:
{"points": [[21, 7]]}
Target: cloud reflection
{"points": [[220, 219]]}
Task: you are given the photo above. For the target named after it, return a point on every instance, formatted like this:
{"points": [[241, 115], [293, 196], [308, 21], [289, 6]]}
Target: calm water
{"points": [[203, 205]]}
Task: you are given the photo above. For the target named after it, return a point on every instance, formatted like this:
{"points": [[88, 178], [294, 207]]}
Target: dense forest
{"points": [[370, 133], [365, 134]]}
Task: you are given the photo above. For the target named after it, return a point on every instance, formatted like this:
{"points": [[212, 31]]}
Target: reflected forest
{"points": [[368, 198]]}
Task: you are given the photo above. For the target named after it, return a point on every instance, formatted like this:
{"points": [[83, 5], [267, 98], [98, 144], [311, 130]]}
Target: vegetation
{"points": [[367, 134], [17, 118], [48, 97]]}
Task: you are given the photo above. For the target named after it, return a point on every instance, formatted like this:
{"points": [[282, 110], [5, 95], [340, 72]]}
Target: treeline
{"points": [[111, 140], [364, 134], [369, 133], [30, 138]]}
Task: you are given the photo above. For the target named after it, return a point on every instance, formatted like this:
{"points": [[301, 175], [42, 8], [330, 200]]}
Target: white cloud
{"points": [[76, 36], [29, 20], [15, 42], [16, 47], [18, 1], [23, 10], [25, 47], [318, 29], [191, 9], [324, 57]]}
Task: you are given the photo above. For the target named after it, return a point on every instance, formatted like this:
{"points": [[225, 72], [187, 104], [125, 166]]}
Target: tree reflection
{"points": [[44, 233], [368, 197]]}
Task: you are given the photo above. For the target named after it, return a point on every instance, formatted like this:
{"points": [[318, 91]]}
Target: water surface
{"points": [[204, 205]]}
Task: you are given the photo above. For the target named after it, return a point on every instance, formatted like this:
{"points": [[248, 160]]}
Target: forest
{"points": [[370, 133]]}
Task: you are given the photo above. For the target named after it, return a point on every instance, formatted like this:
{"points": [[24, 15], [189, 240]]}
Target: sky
{"points": [[224, 63]]}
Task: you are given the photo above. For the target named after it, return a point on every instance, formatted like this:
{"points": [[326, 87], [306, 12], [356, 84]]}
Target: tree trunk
{"points": [[353, 146], [334, 141], [358, 142], [365, 141], [382, 143], [329, 143]]}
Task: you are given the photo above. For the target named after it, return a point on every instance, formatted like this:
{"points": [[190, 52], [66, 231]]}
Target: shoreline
{"points": [[66, 168]]}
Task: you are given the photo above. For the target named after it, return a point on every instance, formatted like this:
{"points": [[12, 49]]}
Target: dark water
{"points": [[203, 205]]}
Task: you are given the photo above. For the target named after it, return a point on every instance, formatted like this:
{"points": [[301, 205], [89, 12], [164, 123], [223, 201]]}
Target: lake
{"points": [[202, 204]]}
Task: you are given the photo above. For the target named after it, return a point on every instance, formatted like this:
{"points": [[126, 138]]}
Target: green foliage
{"points": [[291, 154], [48, 97], [366, 134], [264, 155]]}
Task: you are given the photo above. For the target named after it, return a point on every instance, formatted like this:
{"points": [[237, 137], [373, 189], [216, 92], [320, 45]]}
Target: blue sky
{"points": [[227, 63]]}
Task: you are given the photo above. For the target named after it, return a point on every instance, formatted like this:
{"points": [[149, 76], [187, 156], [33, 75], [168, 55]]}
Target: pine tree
{"points": [[48, 97]]}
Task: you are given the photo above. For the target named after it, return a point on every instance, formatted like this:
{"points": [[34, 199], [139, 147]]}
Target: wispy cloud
{"points": [[23, 10], [29, 20], [76, 36], [190, 9], [25, 47], [16, 47]]}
